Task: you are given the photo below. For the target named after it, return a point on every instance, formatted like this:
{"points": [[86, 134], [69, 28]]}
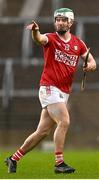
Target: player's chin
{"points": [[61, 32]]}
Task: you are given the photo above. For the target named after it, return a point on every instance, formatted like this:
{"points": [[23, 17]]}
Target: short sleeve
{"points": [[48, 36], [49, 39]]}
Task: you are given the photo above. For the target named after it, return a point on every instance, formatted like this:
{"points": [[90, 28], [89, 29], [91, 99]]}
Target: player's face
{"points": [[62, 25]]}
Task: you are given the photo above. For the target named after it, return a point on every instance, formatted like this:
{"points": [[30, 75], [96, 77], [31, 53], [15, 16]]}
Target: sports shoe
{"points": [[12, 165], [63, 168]]}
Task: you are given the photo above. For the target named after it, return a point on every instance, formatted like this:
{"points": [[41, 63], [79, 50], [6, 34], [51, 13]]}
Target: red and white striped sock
{"points": [[17, 155], [59, 158]]}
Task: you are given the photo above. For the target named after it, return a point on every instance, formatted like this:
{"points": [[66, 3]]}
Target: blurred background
{"points": [[21, 64]]}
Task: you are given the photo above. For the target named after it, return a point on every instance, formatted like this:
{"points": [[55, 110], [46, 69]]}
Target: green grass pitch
{"points": [[39, 165]]}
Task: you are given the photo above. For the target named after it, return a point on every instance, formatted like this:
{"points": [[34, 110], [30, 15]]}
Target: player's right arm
{"points": [[36, 35]]}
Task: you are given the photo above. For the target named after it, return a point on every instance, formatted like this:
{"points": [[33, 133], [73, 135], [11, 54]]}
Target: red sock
{"points": [[17, 155], [59, 158]]}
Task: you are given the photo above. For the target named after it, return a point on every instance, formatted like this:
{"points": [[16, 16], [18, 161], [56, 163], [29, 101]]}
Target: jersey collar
{"points": [[66, 41]]}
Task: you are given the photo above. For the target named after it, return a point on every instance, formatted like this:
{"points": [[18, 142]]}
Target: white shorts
{"points": [[50, 95]]}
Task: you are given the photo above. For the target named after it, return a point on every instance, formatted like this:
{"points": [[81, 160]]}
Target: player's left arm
{"points": [[91, 64]]}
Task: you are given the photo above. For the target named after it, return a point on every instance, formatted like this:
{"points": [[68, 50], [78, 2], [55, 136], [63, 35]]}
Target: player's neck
{"points": [[65, 37]]}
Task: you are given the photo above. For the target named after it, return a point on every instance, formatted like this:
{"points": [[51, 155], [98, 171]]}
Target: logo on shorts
{"points": [[61, 96]]}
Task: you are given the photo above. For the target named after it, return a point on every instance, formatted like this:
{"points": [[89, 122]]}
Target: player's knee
{"points": [[65, 122]]}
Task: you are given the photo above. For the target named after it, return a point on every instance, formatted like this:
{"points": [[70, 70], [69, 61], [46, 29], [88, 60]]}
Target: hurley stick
{"points": [[84, 75]]}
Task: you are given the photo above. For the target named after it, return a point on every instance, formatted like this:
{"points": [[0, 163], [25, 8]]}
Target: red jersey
{"points": [[60, 61]]}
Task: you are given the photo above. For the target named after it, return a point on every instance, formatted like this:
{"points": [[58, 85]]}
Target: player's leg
{"points": [[43, 129], [59, 113]]}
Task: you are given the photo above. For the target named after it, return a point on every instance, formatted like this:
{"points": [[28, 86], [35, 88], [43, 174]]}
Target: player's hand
{"points": [[89, 67], [33, 26]]}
